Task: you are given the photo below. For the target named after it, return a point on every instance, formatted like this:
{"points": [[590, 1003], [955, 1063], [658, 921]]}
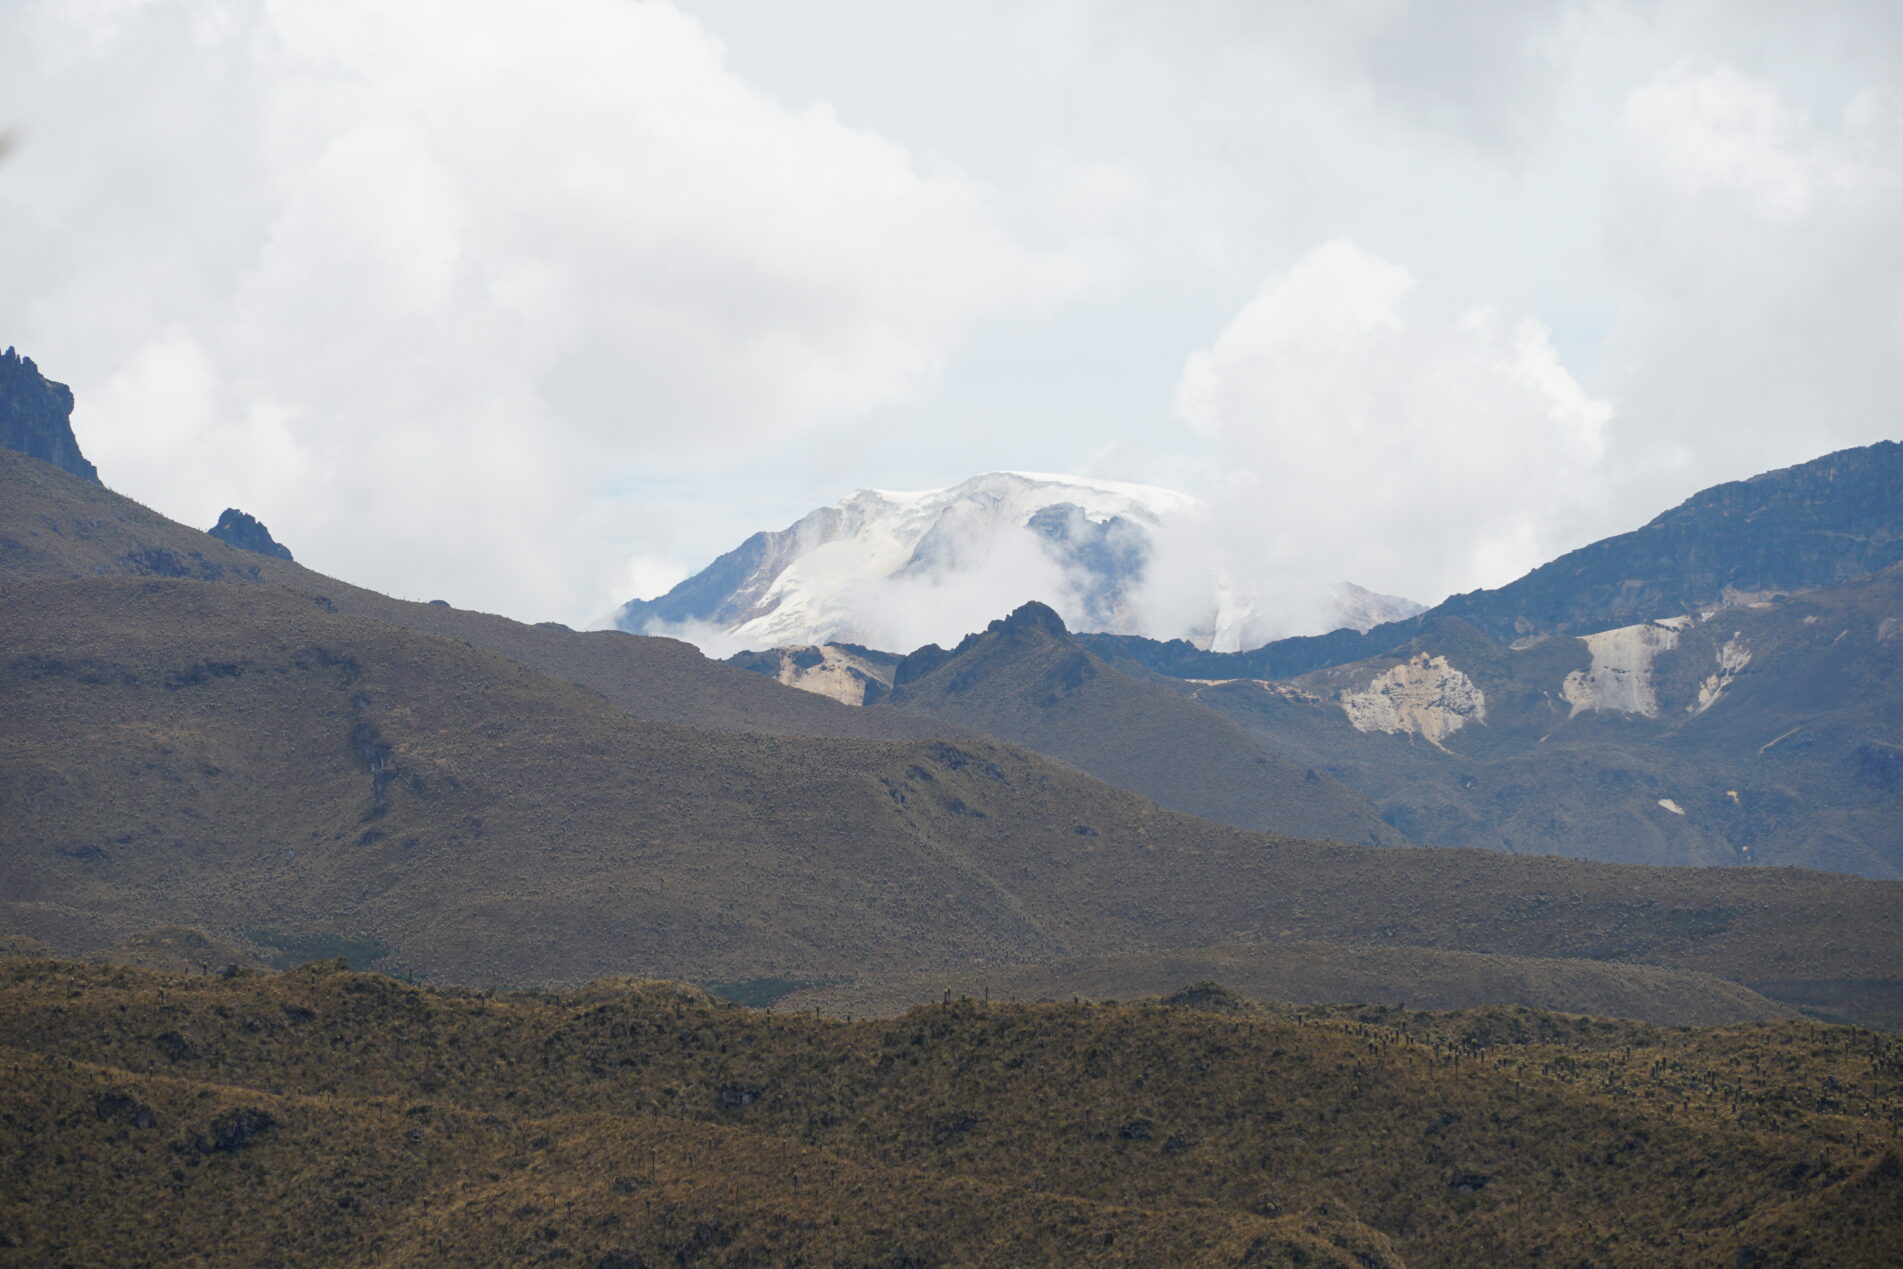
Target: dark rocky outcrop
{"points": [[247, 533], [36, 416]]}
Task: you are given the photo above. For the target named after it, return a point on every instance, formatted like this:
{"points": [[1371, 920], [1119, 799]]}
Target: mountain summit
{"points": [[898, 570], [36, 416]]}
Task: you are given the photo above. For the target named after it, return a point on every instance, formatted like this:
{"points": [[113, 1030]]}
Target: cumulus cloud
{"points": [[417, 283], [531, 306], [1364, 441], [1757, 248]]}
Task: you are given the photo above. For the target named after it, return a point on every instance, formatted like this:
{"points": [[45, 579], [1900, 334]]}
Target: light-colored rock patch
{"points": [[1733, 656], [839, 674], [1425, 697], [1288, 692], [1620, 678]]}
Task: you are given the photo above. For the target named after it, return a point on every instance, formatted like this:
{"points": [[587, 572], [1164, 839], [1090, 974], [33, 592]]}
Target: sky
{"points": [[538, 308]]}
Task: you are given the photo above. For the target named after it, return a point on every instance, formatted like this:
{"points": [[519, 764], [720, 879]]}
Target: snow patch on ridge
{"points": [[1425, 696], [1620, 679]]}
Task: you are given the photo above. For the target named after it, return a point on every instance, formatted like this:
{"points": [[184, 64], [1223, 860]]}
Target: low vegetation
{"points": [[1315, 973], [329, 1117]]}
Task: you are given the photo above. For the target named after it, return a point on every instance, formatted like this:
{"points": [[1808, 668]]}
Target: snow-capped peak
{"points": [[897, 569]]}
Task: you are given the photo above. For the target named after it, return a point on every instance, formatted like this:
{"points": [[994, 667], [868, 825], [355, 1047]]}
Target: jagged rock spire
{"points": [[36, 416]]}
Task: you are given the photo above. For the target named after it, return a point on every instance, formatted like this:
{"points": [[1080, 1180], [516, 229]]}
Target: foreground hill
{"points": [[240, 759], [1025, 680], [321, 1117]]}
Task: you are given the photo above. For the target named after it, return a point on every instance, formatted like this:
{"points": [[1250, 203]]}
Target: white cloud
{"points": [[415, 282], [1757, 250], [1362, 441], [1483, 73], [531, 306], [1703, 127]]}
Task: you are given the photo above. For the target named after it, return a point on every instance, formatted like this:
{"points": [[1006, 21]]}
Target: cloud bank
{"points": [[427, 285], [1363, 442], [537, 309]]}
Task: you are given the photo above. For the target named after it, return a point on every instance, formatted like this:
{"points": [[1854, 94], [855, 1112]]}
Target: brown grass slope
{"points": [[241, 760], [373, 1181], [1027, 682], [53, 524], [1316, 973], [643, 1121]]}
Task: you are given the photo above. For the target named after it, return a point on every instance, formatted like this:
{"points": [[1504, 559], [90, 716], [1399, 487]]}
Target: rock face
{"points": [[1423, 696], [844, 672], [1620, 678], [235, 528], [36, 416]]}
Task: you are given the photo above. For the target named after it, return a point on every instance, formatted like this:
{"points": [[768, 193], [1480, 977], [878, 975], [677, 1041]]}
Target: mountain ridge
{"points": [[1768, 524], [1024, 679]]}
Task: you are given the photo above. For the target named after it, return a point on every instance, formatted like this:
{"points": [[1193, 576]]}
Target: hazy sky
{"points": [[536, 307]]}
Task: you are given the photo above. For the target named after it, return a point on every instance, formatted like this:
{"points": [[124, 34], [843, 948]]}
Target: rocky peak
{"points": [[36, 416], [235, 528], [1030, 619]]}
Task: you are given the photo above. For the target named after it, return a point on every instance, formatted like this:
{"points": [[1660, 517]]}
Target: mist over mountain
{"points": [[898, 570]]}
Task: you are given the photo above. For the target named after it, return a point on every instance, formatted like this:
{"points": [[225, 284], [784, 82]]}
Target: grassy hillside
{"points": [[54, 525], [1314, 973], [334, 1118], [241, 760], [1026, 681]]}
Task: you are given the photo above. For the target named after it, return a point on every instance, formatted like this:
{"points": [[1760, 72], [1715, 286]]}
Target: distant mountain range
{"points": [[1834, 519], [1721, 686], [206, 736], [882, 569]]}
